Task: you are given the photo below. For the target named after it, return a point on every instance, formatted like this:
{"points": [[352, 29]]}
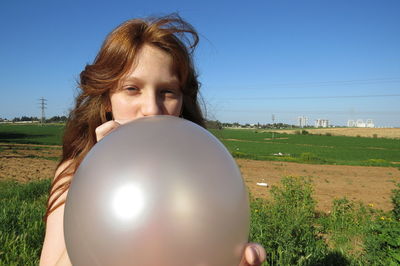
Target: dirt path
{"points": [[371, 185]]}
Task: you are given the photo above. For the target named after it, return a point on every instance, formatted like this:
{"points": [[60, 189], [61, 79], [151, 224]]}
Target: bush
{"points": [[285, 226], [396, 202], [346, 226], [304, 132], [377, 162], [382, 243], [309, 157]]}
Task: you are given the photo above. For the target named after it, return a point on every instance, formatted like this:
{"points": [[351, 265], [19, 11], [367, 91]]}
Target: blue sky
{"points": [[335, 60]]}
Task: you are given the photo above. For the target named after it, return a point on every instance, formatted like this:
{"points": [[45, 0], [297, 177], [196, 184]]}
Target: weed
{"points": [[309, 157], [345, 225], [377, 162], [396, 202], [285, 226], [382, 243]]}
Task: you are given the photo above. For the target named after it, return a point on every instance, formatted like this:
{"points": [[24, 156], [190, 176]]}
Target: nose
{"points": [[151, 105]]}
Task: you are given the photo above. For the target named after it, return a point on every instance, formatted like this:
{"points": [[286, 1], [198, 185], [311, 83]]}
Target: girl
{"points": [[144, 68]]}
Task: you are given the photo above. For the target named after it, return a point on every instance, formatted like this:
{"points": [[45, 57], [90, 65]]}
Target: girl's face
{"points": [[150, 88]]}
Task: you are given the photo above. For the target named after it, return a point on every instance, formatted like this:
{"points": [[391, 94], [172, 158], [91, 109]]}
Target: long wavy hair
{"points": [[116, 56]]}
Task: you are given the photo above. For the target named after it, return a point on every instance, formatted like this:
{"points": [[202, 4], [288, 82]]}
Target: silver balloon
{"points": [[157, 191]]}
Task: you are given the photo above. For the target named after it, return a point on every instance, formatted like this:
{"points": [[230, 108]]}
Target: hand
{"points": [[254, 254], [105, 129]]}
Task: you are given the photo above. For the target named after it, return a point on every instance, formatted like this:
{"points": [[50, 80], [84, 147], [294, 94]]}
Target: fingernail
{"points": [[256, 251], [256, 256]]}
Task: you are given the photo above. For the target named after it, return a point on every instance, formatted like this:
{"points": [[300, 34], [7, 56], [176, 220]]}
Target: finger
{"points": [[104, 129], [124, 121], [254, 254]]}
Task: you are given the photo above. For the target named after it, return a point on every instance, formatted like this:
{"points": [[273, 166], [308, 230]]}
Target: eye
{"points": [[166, 91], [131, 89], [170, 92]]}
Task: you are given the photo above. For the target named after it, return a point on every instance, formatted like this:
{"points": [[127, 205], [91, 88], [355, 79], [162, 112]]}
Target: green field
{"points": [[314, 149], [256, 145], [31, 134]]}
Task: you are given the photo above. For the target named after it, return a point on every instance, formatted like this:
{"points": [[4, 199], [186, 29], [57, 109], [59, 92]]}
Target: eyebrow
{"points": [[174, 82]]}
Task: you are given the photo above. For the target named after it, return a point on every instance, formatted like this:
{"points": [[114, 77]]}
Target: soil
{"points": [[371, 185], [25, 163]]}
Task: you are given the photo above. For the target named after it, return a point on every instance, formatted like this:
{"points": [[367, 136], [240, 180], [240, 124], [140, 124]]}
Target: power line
{"points": [[314, 97], [314, 84], [322, 112], [335, 82]]}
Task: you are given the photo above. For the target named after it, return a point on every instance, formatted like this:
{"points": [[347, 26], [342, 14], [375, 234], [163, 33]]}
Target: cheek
{"points": [[122, 109], [175, 108]]}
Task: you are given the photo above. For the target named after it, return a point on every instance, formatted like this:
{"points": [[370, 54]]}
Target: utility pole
{"points": [[273, 123], [42, 106]]}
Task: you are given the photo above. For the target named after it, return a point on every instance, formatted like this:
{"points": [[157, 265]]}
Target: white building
{"points": [[351, 123], [302, 121], [322, 123], [369, 123], [361, 123]]}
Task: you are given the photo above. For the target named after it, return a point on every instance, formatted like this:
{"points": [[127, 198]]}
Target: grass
{"points": [[288, 226], [314, 149], [31, 134], [21, 226]]}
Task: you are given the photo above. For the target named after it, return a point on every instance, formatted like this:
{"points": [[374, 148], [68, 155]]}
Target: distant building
{"points": [[322, 123], [360, 123], [369, 123], [302, 121], [351, 123]]}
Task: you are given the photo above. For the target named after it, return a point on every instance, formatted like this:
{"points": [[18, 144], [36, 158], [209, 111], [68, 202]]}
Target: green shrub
{"points": [[309, 157], [396, 202], [382, 243], [285, 226], [377, 162], [304, 132], [346, 226]]}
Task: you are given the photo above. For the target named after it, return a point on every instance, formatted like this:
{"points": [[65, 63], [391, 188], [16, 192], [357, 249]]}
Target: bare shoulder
{"points": [[54, 245]]}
